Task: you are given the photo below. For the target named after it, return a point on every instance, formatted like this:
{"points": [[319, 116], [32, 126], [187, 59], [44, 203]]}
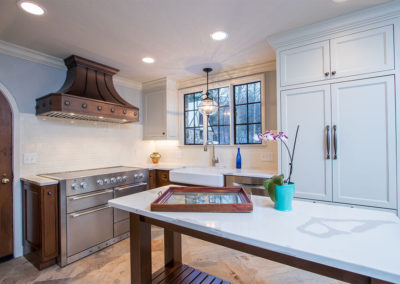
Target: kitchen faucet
{"points": [[214, 160]]}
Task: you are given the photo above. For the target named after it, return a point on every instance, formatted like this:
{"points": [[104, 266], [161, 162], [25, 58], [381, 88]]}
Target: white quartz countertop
{"points": [[40, 181], [363, 241]]}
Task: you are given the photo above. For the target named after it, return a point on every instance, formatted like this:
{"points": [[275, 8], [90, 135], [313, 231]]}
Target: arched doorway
{"points": [[6, 178]]}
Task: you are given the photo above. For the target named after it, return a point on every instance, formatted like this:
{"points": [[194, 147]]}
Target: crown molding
{"points": [[125, 82], [352, 20], [31, 55], [52, 61], [229, 74]]}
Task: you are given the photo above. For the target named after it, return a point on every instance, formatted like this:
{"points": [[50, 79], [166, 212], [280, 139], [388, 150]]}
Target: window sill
{"points": [[227, 146]]}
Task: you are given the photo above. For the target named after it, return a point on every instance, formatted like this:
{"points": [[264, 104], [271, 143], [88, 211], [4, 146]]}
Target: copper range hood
{"points": [[88, 93]]}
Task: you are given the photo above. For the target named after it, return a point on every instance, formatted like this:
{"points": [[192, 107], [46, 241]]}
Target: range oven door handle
{"points": [[130, 186], [90, 195], [74, 215]]}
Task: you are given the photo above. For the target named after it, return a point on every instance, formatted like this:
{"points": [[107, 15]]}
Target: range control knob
{"points": [[75, 186], [106, 181], [113, 180], [141, 175], [119, 179], [136, 176], [84, 185], [100, 182], [124, 178]]}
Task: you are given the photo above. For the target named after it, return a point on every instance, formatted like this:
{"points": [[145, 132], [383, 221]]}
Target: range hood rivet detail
{"points": [[87, 90]]}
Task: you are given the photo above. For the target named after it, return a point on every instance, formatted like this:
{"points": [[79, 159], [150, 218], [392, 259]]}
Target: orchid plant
{"points": [[270, 136]]}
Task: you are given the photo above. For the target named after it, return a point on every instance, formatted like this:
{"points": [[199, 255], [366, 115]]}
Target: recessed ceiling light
{"points": [[339, 1], [31, 7], [148, 60], [220, 35]]}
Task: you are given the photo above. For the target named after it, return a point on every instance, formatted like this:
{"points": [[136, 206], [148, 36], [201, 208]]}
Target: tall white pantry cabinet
{"points": [[337, 80]]}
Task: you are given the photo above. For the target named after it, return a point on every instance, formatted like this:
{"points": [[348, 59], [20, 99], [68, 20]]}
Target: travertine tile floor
{"points": [[111, 265]]}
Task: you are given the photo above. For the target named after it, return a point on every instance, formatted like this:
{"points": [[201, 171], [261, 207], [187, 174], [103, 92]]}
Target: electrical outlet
{"points": [[30, 158], [266, 157]]}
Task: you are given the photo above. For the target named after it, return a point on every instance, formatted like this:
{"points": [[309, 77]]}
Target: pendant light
{"points": [[207, 106]]}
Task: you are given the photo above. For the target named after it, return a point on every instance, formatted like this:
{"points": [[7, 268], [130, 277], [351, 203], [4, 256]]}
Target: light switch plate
{"points": [[30, 158]]}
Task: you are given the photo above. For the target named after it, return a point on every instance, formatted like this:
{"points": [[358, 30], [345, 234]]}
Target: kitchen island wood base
{"points": [[140, 227]]}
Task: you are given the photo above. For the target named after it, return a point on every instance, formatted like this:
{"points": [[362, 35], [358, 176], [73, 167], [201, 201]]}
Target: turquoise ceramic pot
{"points": [[284, 196]]}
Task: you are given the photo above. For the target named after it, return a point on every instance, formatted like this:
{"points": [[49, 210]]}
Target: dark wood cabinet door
{"points": [[6, 179], [162, 178], [40, 224], [152, 179], [49, 223]]}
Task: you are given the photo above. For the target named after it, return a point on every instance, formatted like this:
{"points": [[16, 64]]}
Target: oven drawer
{"points": [[88, 200], [121, 227], [88, 228], [123, 191]]}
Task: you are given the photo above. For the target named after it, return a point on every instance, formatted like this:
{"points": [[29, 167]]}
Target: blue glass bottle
{"points": [[238, 160]]}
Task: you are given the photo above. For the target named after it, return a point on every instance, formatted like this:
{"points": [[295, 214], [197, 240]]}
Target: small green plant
{"points": [[271, 183]]}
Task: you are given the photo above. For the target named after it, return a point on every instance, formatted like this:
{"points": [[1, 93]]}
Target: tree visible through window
{"points": [[247, 106], [219, 123], [193, 119]]}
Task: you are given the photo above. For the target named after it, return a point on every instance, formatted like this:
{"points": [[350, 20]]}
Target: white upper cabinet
{"points": [[364, 142], [160, 110], [310, 108], [305, 64], [354, 54], [364, 52]]}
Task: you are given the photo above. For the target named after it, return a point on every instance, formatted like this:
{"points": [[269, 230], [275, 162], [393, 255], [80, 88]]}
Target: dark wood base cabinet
{"points": [[158, 178], [40, 213]]}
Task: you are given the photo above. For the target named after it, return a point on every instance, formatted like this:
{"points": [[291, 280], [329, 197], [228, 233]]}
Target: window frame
{"points": [[218, 125], [247, 113], [194, 118], [219, 84]]}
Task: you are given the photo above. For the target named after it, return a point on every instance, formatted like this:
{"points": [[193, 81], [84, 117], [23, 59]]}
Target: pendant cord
{"points": [[207, 86]]}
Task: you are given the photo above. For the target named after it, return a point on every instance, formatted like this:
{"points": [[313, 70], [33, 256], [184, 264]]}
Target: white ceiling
{"points": [[175, 32]]}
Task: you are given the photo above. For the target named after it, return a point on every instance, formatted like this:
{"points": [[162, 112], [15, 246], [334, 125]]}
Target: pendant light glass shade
{"points": [[207, 106]]}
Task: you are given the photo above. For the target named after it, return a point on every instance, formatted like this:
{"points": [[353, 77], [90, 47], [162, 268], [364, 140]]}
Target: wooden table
{"points": [[339, 255]]}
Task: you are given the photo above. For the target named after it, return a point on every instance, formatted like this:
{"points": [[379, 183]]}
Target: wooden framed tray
{"points": [[203, 199]]}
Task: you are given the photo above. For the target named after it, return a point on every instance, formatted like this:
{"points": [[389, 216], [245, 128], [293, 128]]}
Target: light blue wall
{"points": [[27, 81]]}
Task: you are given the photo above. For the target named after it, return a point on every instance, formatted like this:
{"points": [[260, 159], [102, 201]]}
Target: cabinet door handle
{"points": [[334, 143], [333, 73], [326, 74], [328, 143]]}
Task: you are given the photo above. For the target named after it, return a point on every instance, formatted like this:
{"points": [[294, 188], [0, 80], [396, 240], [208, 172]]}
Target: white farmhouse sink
{"points": [[198, 176]]}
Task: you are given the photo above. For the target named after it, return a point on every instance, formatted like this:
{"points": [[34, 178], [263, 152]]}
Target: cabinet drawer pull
{"points": [[333, 73], [326, 74]]}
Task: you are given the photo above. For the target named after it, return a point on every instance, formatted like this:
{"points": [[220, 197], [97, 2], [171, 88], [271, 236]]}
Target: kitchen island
{"points": [[349, 244]]}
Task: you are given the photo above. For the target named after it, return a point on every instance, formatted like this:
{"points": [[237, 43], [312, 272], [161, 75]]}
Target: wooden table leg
{"points": [[172, 248], [140, 250]]}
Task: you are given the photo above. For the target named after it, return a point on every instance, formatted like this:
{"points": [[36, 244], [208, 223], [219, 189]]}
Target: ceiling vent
{"points": [[88, 93]]}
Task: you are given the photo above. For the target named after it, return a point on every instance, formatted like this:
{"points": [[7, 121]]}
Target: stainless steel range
{"points": [[87, 223]]}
